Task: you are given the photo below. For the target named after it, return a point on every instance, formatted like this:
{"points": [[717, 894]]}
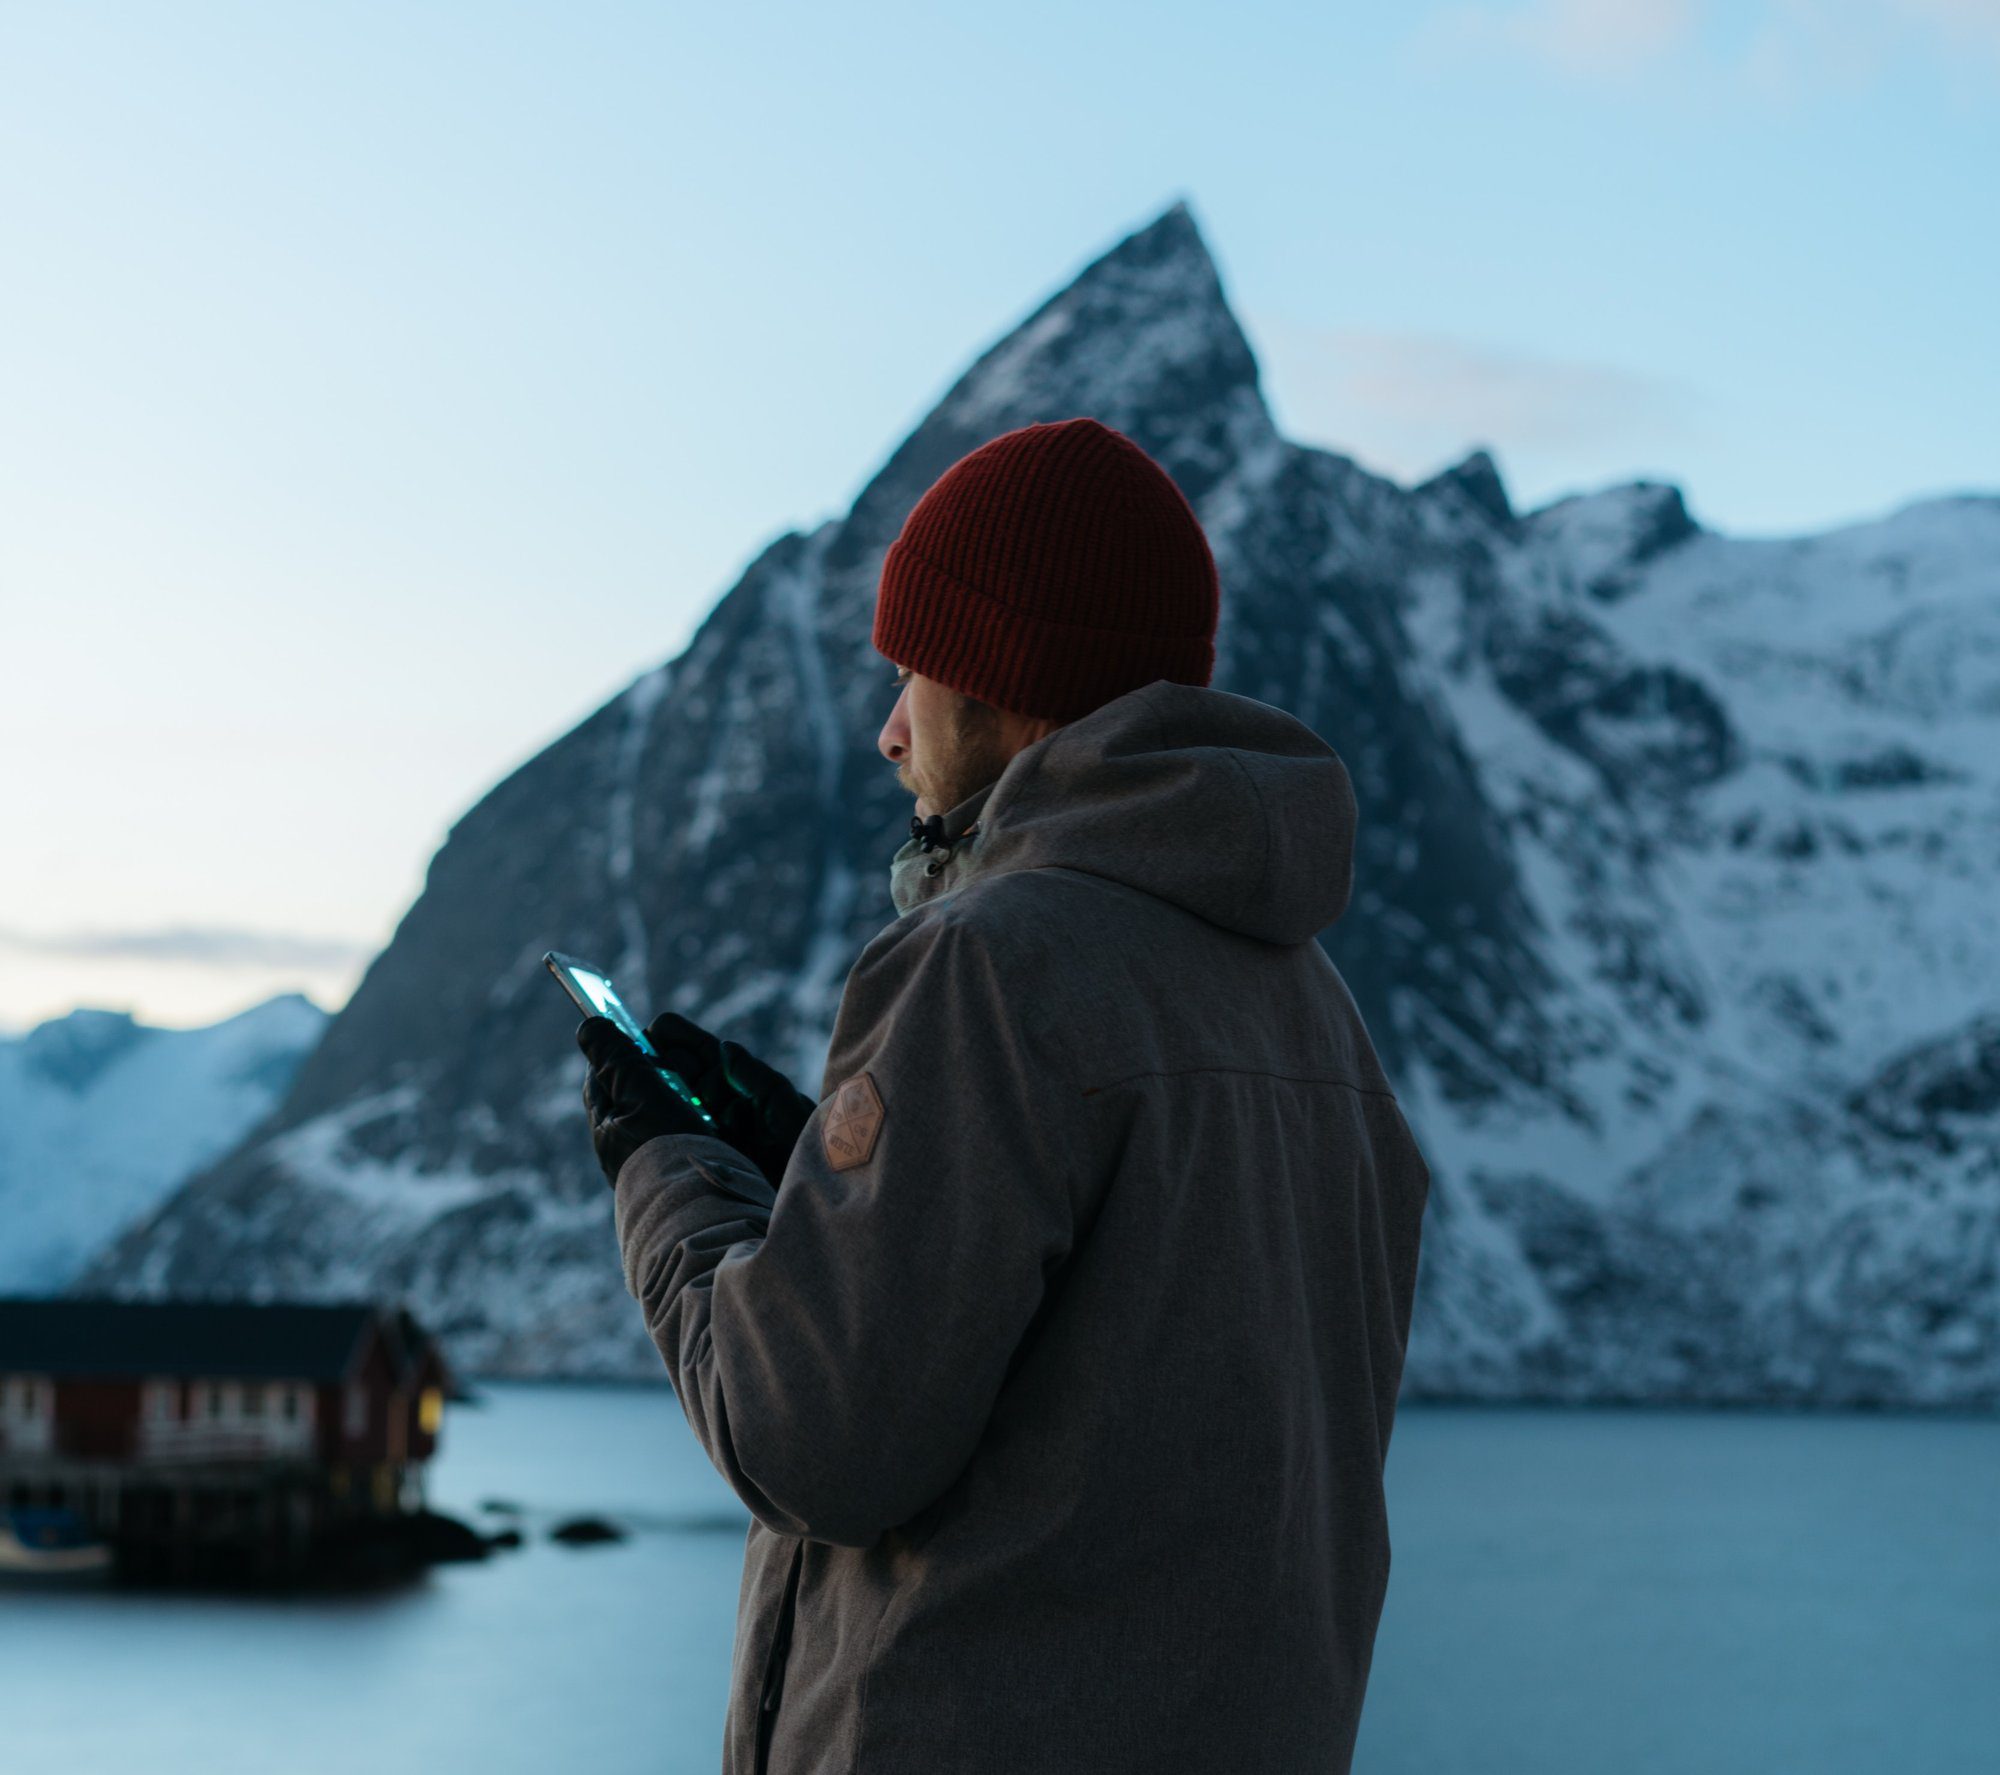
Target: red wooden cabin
{"points": [[158, 1419]]}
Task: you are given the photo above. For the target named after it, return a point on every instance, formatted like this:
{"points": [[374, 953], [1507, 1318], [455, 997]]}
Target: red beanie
{"points": [[1047, 572]]}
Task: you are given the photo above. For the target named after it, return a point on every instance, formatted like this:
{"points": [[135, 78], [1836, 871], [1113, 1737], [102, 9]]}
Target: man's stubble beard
{"points": [[963, 761]]}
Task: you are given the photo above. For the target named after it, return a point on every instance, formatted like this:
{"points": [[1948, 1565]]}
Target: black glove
{"points": [[626, 1099], [758, 1110]]}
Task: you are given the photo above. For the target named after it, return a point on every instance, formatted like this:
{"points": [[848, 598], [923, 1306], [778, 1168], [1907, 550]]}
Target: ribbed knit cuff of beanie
{"points": [[1048, 571]]}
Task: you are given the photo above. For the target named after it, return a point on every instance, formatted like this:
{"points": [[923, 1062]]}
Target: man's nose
{"points": [[893, 742]]}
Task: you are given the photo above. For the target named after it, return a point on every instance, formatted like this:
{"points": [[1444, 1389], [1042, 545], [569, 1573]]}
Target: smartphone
{"points": [[595, 996]]}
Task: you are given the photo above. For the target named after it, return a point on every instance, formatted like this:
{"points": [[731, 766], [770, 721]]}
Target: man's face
{"points": [[944, 745]]}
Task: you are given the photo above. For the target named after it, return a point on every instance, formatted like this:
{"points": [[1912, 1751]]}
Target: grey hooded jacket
{"points": [[1058, 1373]]}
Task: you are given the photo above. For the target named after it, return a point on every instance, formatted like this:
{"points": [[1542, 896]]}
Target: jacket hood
{"points": [[1225, 806]]}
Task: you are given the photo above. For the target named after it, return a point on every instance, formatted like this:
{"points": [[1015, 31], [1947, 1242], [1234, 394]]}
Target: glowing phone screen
{"points": [[595, 995]]}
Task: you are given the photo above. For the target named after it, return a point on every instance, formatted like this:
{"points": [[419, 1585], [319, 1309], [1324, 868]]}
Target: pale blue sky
{"points": [[383, 386]]}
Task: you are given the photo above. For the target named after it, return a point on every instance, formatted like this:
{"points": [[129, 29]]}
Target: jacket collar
{"points": [[1225, 806], [934, 859]]}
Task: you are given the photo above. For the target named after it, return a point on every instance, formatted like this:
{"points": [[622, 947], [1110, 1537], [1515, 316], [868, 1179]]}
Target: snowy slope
{"points": [[101, 1117], [1754, 788], [1671, 916]]}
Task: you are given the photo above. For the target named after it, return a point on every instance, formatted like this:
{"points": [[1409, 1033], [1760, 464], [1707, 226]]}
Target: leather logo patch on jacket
{"points": [[848, 1134]]}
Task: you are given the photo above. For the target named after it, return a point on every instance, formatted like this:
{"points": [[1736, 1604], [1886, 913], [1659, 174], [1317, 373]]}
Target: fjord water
{"points": [[1571, 1592]]}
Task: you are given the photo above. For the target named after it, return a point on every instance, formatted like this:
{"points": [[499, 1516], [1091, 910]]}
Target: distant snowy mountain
{"points": [[101, 1117], [1673, 911]]}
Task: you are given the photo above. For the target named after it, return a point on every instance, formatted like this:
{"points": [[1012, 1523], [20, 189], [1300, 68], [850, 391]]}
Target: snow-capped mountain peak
{"points": [[1669, 915], [102, 1116]]}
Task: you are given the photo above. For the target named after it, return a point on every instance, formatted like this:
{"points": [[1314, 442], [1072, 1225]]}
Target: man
{"points": [[1054, 1349]]}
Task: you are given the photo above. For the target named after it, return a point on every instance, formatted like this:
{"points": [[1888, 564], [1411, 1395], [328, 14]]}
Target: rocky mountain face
{"points": [[101, 1117], [1672, 913]]}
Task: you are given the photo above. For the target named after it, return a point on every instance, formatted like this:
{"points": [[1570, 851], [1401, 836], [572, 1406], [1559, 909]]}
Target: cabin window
{"points": [[357, 1410], [288, 1404], [160, 1400], [212, 1399], [253, 1402], [430, 1410], [23, 1396]]}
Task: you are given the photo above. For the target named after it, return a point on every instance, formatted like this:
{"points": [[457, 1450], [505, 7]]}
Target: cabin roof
{"points": [[277, 1340]]}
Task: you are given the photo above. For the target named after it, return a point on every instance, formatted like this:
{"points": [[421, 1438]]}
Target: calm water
{"points": [[1593, 1591]]}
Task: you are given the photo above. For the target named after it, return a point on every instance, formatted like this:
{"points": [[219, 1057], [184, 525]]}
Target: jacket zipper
{"points": [[774, 1663]]}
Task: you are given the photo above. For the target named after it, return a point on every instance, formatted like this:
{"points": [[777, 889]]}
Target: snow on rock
{"points": [[101, 1117], [1671, 920]]}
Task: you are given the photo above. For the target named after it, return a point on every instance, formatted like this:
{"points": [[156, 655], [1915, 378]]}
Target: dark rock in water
{"points": [[500, 1506], [586, 1531], [504, 1538], [435, 1539]]}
